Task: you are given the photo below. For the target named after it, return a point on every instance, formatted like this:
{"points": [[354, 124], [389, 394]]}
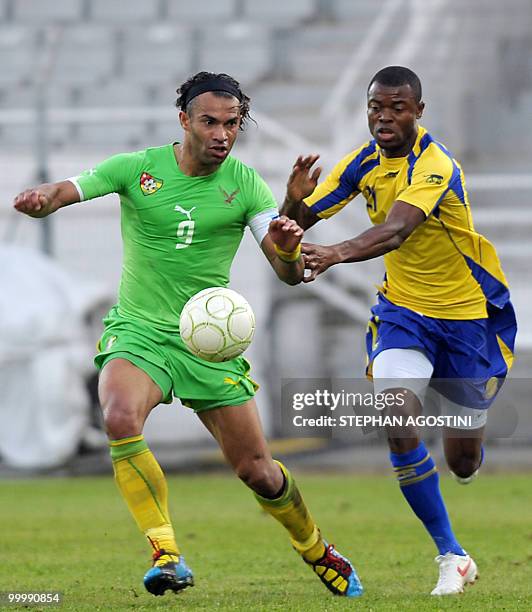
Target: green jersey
{"points": [[180, 233]]}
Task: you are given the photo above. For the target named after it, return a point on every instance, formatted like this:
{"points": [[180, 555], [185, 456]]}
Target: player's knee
{"points": [[259, 475], [120, 418], [465, 465]]}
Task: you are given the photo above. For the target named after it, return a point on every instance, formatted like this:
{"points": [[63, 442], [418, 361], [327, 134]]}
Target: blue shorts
{"points": [[471, 358]]}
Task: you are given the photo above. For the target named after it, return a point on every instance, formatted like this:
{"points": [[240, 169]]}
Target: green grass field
{"points": [[76, 536]]}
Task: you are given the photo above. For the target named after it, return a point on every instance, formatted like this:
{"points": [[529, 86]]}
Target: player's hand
{"points": [[317, 259], [304, 179], [33, 202], [285, 233]]}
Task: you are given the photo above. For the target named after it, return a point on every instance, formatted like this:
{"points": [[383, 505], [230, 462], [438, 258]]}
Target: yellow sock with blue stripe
{"points": [[143, 486], [291, 511], [419, 482]]}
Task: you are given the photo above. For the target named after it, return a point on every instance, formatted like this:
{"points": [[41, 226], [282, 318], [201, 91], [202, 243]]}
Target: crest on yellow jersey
{"points": [[434, 179]]}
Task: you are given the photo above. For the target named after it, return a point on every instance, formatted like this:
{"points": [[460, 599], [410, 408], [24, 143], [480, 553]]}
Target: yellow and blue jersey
{"points": [[444, 272], [444, 269]]}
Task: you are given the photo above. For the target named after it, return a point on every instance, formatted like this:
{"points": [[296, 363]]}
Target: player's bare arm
{"points": [[45, 199], [301, 183], [401, 221], [282, 247]]}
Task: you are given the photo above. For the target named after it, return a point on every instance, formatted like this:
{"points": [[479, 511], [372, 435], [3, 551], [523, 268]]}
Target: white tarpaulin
{"points": [[45, 355]]}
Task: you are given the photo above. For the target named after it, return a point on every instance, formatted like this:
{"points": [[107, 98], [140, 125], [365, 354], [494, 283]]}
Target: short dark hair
{"points": [[182, 93], [394, 76]]}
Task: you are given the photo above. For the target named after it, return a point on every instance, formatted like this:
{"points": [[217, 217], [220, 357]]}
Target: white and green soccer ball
{"points": [[217, 324]]}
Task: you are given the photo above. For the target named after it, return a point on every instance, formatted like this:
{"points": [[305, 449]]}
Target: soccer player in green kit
{"points": [[184, 210]]}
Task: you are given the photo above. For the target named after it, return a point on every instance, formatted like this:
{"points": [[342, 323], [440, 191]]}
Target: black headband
{"points": [[213, 84]]}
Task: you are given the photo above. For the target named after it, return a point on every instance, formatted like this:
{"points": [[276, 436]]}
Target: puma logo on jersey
{"points": [[229, 197], [149, 184], [187, 213], [434, 179]]}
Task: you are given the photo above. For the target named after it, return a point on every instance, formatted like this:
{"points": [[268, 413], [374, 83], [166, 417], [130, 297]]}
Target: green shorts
{"points": [[199, 384]]}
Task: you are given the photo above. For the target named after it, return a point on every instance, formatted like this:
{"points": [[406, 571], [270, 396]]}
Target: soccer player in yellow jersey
{"points": [[443, 316]]}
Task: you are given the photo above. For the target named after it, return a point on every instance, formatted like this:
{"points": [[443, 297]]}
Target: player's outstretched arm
{"points": [[45, 199], [282, 247], [401, 221], [301, 183]]}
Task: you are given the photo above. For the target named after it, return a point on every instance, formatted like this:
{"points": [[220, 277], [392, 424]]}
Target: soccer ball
{"points": [[217, 324]]}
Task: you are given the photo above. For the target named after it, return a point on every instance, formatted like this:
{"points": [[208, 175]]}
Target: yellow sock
{"points": [[143, 485], [290, 510]]}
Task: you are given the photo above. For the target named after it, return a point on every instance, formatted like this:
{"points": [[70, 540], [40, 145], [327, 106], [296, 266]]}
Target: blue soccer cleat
{"points": [[174, 575], [337, 573]]}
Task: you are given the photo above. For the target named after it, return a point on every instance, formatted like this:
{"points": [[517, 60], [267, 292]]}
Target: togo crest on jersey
{"points": [[434, 179], [228, 197], [149, 184]]}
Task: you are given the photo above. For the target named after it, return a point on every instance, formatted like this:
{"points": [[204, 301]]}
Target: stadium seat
{"points": [[163, 93], [156, 53], [17, 97], [17, 137], [85, 53], [319, 66], [353, 9], [120, 11], [322, 35], [18, 49], [39, 11], [201, 11], [277, 98], [105, 136], [117, 93], [166, 132], [279, 12], [240, 50], [25, 98], [3, 10]]}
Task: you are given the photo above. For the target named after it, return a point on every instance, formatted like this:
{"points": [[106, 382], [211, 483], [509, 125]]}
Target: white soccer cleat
{"points": [[455, 572], [464, 481]]}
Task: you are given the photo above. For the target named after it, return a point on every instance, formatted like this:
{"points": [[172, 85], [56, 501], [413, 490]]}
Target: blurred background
{"points": [[84, 79]]}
